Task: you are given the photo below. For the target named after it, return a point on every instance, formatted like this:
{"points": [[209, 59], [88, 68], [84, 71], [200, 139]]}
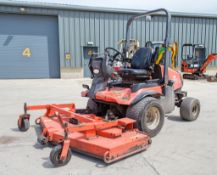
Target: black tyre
{"points": [[55, 156], [23, 124], [149, 115], [42, 140], [190, 109]]}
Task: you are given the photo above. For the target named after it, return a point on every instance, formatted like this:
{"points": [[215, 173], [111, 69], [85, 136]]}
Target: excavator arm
{"points": [[209, 59]]}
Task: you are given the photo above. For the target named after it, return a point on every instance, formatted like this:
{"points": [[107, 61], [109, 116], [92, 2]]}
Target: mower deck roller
{"points": [[86, 133]]}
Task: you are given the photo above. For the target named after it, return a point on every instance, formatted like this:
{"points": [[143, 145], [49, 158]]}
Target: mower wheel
{"points": [[149, 115], [23, 124], [38, 121], [190, 109], [55, 156], [42, 140]]}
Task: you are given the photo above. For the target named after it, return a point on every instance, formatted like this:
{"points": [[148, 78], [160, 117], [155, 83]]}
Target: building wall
{"points": [[76, 28], [106, 29]]}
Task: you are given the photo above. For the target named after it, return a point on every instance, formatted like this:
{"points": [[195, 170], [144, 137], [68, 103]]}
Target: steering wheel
{"points": [[112, 57]]}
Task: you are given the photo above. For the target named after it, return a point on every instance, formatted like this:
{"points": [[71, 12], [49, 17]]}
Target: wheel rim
{"points": [[195, 110], [152, 119]]}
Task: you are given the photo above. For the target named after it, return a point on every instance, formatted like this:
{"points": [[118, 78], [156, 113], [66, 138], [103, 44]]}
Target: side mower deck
{"points": [[85, 133]]}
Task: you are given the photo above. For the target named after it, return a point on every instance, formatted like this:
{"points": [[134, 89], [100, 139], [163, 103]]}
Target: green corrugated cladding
{"points": [[76, 28]]}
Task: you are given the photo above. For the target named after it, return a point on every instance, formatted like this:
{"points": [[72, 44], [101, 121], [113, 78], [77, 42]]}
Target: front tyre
{"points": [[190, 109], [149, 115], [55, 156], [23, 123]]}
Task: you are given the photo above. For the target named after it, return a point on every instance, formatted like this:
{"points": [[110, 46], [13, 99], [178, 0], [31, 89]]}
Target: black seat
{"points": [[133, 72], [142, 58], [140, 65]]}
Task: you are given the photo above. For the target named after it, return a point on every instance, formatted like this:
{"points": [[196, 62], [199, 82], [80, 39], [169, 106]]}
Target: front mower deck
{"points": [[86, 133]]}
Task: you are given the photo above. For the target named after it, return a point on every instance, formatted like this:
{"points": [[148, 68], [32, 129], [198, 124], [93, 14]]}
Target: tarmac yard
{"points": [[181, 148]]}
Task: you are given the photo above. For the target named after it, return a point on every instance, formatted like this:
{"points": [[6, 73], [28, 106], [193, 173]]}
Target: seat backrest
{"points": [[155, 54], [142, 58]]}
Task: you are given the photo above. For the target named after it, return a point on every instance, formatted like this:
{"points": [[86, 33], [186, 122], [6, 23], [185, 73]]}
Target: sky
{"points": [[189, 6]]}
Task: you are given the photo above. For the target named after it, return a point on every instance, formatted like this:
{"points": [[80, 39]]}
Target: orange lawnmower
{"points": [[135, 94], [194, 62]]}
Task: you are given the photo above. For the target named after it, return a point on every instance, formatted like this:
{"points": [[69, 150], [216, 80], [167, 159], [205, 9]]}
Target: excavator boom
{"points": [[209, 59]]}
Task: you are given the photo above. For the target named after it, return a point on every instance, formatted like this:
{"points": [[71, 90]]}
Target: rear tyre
{"points": [[149, 115], [190, 109], [55, 156]]}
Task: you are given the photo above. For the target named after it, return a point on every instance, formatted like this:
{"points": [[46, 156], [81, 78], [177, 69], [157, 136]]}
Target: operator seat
{"points": [[140, 66], [142, 58]]}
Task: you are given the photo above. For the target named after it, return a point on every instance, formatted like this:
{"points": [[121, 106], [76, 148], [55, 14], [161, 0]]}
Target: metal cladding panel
{"points": [[29, 46], [97, 28], [78, 27], [106, 29]]}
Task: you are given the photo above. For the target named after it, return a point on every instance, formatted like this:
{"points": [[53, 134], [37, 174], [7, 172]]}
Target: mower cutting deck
{"points": [[86, 133]]}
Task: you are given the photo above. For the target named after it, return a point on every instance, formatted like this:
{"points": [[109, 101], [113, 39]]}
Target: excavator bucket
{"points": [[212, 78], [109, 140]]}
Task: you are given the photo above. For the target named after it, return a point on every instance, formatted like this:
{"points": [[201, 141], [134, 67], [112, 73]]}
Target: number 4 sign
{"points": [[27, 52]]}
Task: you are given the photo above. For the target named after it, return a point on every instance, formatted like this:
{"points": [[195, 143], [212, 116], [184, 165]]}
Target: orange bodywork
{"points": [[186, 69], [176, 77], [107, 140], [125, 96]]}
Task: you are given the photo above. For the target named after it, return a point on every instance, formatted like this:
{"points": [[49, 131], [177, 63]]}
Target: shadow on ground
{"points": [[98, 163], [174, 118]]}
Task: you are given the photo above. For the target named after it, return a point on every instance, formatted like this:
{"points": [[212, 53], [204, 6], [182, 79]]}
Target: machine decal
{"points": [[68, 56]]}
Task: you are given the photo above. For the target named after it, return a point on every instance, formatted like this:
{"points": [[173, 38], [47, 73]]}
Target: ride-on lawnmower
{"points": [[135, 94], [194, 62]]}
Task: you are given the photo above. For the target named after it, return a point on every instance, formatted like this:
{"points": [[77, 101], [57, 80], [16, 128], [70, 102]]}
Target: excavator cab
{"points": [[193, 55]]}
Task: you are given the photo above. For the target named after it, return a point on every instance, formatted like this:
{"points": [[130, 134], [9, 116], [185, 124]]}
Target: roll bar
{"points": [[166, 38]]}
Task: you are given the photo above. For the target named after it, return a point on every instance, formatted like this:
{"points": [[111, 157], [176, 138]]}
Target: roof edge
{"points": [[91, 8]]}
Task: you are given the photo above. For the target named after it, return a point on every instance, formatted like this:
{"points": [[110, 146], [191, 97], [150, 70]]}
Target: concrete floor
{"points": [[180, 148]]}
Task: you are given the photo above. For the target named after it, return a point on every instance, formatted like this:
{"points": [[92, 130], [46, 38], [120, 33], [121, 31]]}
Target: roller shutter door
{"points": [[29, 46]]}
